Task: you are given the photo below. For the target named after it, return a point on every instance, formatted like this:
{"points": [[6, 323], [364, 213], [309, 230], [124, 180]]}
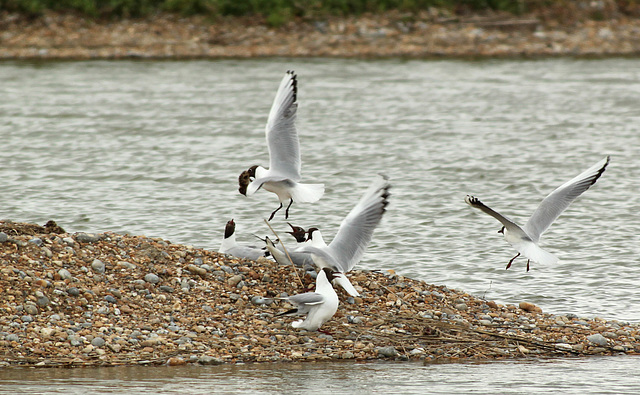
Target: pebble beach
{"points": [[107, 299], [589, 29]]}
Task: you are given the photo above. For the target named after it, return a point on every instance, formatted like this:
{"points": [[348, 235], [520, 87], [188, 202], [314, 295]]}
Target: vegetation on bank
{"points": [[278, 12]]}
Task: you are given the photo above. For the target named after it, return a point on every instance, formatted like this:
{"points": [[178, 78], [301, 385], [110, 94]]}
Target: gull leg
{"points": [[286, 212], [325, 332], [527, 264], [275, 211], [511, 261]]}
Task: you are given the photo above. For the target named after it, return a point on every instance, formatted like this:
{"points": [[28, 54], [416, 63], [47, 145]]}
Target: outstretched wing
{"points": [[557, 201], [282, 137], [356, 230], [506, 222]]}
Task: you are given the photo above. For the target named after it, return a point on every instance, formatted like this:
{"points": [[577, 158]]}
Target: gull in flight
{"points": [[525, 239], [283, 175], [353, 237], [231, 247], [319, 306]]}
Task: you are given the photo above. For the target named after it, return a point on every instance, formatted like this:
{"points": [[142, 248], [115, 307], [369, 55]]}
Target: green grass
{"points": [[274, 12]]}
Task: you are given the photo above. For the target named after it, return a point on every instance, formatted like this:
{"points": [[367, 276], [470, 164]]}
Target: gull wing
{"points": [[356, 229], [506, 222], [282, 137], [557, 201], [306, 299]]}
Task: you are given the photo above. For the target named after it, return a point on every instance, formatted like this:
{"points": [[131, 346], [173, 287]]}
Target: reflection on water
{"points": [[155, 148], [607, 375]]}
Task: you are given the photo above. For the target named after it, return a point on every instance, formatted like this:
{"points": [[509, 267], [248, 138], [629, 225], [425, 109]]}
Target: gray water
{"points": [[155, 148]]}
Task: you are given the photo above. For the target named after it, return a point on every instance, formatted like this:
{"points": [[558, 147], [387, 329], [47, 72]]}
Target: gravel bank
{"points": [[60, 36], [109, 299]]}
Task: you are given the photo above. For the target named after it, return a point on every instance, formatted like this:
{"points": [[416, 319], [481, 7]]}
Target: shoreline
{"points": [[56, 36], [78, 299]]}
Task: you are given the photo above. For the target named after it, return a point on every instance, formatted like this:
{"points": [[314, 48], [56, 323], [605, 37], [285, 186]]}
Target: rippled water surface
{"points": [[155, 148], [608, 375]]}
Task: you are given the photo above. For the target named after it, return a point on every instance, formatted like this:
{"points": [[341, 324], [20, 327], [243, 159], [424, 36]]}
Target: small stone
{"points": [[388, 352], [98, 266], [530, 307], [597, 339], [87, 238], [43, 301], [36, 240], [73, 291], [27, 318], [152, 278], [97, 342], [69, 241], [234, 280], [461, 306], [347, 355], [64, 274], [167, 289], [110, 299], [209, 360], [30, 309], [3, 237], [12, 337], [259, 300], [176, 361]]}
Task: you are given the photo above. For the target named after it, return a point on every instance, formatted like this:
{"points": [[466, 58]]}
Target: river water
{"points": [[155, 148]]}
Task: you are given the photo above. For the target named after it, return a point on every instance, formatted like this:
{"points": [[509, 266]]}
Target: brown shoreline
{"points": [[62, 36], [73, 300]]}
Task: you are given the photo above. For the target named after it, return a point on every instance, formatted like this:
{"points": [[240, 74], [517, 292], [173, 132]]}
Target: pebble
{"points": [[98, 266], [3, 237], [36, 240], [152, 278], [388, 351], [597, 339], [73, 291], [64, 274], [87, 238]]}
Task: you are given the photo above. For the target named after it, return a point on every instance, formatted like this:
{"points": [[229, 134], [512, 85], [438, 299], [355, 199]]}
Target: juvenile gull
{"points": [[284, 172], [353, 237], [525, 239], [319, 306], [231, 247]]}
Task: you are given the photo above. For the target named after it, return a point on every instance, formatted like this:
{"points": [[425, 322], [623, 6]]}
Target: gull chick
{"points": [[353, 237], [284, 172], [231, 247], [525, 239], [319, 306]]}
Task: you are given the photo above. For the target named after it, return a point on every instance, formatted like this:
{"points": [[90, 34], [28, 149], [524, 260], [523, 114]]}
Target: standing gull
{"points": [[231, 247], [353, 237], [319, 306], [283, 175], [525, 239]]}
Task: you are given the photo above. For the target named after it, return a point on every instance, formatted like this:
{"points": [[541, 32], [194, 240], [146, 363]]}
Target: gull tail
{"points": [[536, 254], [307, 193]]}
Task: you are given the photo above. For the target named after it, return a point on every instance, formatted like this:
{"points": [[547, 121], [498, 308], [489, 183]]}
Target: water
{"points": [[607, 375], [155, 148]]}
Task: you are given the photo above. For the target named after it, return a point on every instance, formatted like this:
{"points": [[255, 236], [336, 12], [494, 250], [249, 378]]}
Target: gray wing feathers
{"points": [[557, 201], [476, 203], [282, 138], [356, 230], [306, 299]]}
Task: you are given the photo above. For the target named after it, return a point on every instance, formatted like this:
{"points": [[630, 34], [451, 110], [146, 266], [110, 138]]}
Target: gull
{"points": [[231, 247], [319, 306], [525, 239], [353, 237], [283, 175]]}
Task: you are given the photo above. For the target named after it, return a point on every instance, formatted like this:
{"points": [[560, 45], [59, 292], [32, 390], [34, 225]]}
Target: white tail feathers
{"points": [[307, 193], [536, 254]]}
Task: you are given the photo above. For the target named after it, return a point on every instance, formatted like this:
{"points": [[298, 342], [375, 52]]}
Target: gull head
{"points": [[298, 232], [245, 178], [330, 274], [229, 229]]}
